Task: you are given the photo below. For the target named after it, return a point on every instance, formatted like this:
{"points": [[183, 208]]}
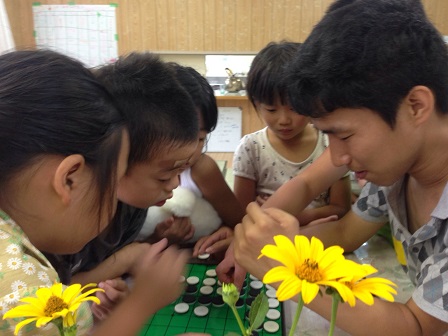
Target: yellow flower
{"points": [[363, 288], [52, 303], [306, 267]]}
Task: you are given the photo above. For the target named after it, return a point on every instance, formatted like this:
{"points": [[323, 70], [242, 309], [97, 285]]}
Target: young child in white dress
{"points": [[266, 159], [202, 178]]}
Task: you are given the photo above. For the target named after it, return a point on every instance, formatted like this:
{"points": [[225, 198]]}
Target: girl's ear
{"points": [[422, 102], [68, 176]]}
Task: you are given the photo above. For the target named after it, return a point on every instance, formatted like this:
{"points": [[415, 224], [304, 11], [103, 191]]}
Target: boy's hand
{"points": [[228, 271], [175, 229], [157, 282], [218, 241]]}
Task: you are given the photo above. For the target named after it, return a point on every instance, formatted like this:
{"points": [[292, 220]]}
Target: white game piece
{"points": [[269, 287], [201, 311], [211, 272], [182, 279], [219, 290], [273, 303], [273, 314], [209, 281], [271, 293], [181, 308], [206, 290], [193, 280], [256, 284], [204, 256], [252, 277], [271, 326]]}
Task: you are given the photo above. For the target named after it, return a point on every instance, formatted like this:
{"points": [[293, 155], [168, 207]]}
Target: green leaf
{"points": [[258, 311]]}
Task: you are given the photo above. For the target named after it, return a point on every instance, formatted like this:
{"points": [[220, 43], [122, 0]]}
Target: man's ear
{"points": [[422, 103], [68, 175]]}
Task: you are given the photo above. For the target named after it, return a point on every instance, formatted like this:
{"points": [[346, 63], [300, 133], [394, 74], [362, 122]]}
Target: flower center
{"points": [[309, 271], [54, 305]]}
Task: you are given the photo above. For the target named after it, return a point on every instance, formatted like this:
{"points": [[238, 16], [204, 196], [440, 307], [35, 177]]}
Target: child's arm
{"points": [[245, 190], [156, 284], [339, 203], [119, 263], [296, 194], [216, 191]]}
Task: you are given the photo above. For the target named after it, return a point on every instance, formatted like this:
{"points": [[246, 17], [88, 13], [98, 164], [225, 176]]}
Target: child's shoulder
{"points": [[255, 138], [205, 166]]}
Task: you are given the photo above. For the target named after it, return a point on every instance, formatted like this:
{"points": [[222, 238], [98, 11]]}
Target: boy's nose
{"points": [[339, 156], [174, 183]]}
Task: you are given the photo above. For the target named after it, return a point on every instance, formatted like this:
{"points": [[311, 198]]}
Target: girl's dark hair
{"points": [[266, 78], [200, 92], [51, 104]]}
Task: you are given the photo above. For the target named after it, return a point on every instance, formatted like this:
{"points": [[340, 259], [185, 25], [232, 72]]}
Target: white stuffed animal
{"points": [[184, 203]]}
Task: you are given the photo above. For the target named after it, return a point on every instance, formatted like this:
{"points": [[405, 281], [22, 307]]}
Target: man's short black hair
{"points": [[369, 54]]}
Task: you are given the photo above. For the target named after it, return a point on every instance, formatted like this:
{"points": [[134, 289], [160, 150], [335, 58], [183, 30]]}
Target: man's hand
{"points": [[258, 229]]}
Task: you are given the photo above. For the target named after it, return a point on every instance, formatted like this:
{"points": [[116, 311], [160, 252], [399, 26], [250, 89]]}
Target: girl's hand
{"points": [[115, 291], [261, 199]]}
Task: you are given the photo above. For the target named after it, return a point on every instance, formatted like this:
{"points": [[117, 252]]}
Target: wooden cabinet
{"points": [[250, 120], [204, 26]]}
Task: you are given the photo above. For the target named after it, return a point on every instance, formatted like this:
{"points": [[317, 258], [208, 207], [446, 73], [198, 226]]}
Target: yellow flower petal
{"points": [[43, 294], [71, 292], [21, 311], [289, 288], [309, 291], [316, 249], [273, 252], [287, 247], [43, 321], [302, 245], [277, 274], [69, 320], [22, 324], [365, 297], [330, 255]]}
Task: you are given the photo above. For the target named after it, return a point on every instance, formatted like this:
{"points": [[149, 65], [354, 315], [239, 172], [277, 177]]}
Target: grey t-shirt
{"points": [[425, 250]]}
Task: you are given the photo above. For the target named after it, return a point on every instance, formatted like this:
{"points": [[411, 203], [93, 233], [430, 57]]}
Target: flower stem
{"points": [[334, 310], [296, 318], [238, 319]]}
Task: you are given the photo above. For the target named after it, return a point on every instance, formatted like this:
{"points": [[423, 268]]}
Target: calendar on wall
{"points": [[85, 32], [227, 134]]}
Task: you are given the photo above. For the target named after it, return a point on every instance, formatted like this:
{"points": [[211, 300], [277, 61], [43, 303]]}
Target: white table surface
{"points": [[377, 252]]}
